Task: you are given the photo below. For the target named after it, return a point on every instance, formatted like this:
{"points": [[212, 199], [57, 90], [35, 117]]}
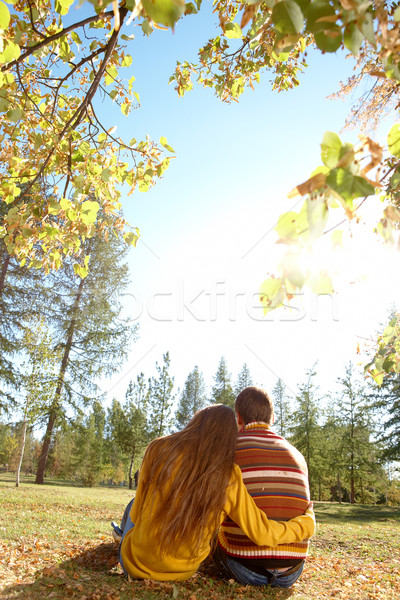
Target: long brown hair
{"points": [[189, 471]]}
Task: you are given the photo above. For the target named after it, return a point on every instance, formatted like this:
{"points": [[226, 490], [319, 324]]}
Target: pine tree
{"points": [[192, 399], [281, 408], [305, 431], [39, 380], [161, 399], [244, 380], [22, 296], [353, 414], [222, 392], [91, 335], [88, 456], [127, 424]]}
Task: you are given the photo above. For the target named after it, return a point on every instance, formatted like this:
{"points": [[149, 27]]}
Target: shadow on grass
{"points": [[327, 512], [95, 574]]}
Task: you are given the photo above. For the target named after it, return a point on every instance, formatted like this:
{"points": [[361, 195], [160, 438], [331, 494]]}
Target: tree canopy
{"points": [[54, 68]]}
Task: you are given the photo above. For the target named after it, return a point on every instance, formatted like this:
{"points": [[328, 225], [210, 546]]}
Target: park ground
{"points": [[55, 543]]}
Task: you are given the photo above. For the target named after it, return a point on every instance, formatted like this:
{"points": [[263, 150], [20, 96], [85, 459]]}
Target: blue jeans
{"points": [[273, 577], [126, 525]]}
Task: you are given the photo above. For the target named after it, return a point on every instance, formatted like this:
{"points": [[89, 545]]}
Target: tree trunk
{"points": [[130, 469], [45, 448], [339, 489], [60, 383], [3, 273], [352, 487], [21, 453]]}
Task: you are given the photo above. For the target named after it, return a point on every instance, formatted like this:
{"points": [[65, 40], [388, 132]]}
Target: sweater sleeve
{"points": [[242, 509]]}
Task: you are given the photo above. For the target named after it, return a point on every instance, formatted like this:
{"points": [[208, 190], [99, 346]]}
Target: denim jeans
{"points": [[126, 525], [273, 577]]}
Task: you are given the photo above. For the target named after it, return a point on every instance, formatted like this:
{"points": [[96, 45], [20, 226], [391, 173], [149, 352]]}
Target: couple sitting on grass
{"points": [[209, 488]]}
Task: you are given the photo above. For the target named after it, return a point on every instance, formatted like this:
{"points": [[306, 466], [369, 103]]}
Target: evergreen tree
{"points": [[387, 403], [91, 336], [244, 380], [39, 381], [333, 462], [222, 392], [127, 424], [193, 398], [305, 431], [8, 445], [61, 461], [359, 454], [88, 455], [161, 399], [22, 296], [281, 408]]}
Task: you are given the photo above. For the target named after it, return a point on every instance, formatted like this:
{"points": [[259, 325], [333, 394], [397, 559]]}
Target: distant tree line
{"points": [[347, 438]]}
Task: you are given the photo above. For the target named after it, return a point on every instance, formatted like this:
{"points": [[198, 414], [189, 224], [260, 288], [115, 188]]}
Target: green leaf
{"points": [[53, 208], [127, 61], [316, 12], [292, 225], [190, 9], [11, 52], [349, 186], [330, 39], [166, 12], [105, 175], [377, 376], [80, 271], [330, 149], [89, 211], [396, 15], [4, 16], [317, 214], [62, 6], [271, 293], [111, 75], [15, 114], [125, 108], [388, 334], [287, 17], [147, 28], [131, 238], [367, 28], [394, 140], [164, 143], [286, 227], [352, 38], [233, 31]]}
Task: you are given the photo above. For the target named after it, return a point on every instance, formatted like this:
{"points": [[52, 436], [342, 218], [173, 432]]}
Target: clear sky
{"points": [[207, 239]]}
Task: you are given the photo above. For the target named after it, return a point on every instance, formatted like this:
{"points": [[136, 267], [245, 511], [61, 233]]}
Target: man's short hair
{"points": [[254, 404]]}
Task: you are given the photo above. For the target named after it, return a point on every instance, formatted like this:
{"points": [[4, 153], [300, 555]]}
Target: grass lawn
{"points": [[55, 543]]}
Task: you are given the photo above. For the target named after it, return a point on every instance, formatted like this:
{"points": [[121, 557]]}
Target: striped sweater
{"points": [[275, 475]]}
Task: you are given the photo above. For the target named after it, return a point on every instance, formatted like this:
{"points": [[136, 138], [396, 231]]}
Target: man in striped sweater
{"points": [[276, 476]]}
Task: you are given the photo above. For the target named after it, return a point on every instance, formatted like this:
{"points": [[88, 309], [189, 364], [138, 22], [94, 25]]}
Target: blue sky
{"points": [[207, 239]]}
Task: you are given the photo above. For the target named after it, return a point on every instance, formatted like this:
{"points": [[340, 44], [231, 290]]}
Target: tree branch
{"points": [[80, 111], [57, 36]]}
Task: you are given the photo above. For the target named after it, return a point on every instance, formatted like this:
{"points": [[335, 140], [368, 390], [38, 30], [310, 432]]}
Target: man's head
{"points": [[254, 404]]}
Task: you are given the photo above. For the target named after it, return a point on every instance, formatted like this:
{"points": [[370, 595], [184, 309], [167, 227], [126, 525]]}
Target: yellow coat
{"points": [[139, 549]]}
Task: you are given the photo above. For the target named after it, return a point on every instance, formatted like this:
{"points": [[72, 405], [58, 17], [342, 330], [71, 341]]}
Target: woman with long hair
{"points": [[188, 483]]}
